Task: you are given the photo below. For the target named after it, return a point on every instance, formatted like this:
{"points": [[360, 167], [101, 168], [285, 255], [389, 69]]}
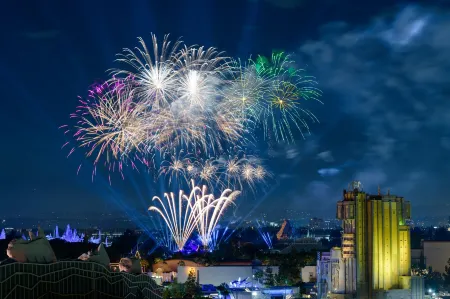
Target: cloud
{"points": [[285, 176], [325, 156], [371, 178], [388, 79], [410, 183], [318, 189], [328, 171]]}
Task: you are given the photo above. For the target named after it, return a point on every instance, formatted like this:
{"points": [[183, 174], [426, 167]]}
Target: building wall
{"points": [[381, 242], [308, 273], [416, 256], [436, 254], [336, 275], [217, 275]]}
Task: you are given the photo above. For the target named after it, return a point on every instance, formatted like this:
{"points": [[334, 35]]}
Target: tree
{"points": [[177, 291], [446, 274], [191, 287], [269, 279], [417, 270], [223, 290], [433, 280], [259, 274], [166, 293]]}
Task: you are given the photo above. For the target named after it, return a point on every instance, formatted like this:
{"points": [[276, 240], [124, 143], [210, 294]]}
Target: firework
{"points": [[282, 110], [178, 87], [109, 125], [198, 210], [180, 217], [241, 171], [202, 72], [170, 99], [237, 171], [156, 80], [176, 166], [246, 91], [210, 211]]}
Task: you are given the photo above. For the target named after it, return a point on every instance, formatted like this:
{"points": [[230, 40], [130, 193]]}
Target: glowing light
{"points": [[172, 97], [198, 210], [210, 211]]}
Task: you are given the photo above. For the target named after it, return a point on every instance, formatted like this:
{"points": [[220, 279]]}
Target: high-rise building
{"points": [[375, 241]]}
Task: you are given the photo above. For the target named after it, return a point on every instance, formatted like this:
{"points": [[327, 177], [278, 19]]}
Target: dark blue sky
{"points": [[383, 67]]}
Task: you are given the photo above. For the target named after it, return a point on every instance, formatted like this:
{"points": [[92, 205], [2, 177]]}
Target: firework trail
{"points": [[199, 211], [153, 71], [169, 98], [210, 211], [282, 109], [109, 125], [237, 171], [181, 219]]}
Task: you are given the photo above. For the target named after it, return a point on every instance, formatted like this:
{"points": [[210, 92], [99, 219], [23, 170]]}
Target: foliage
{"points": [[223, 290], [166, 293], [259, 274], [191, 287], [433, 280], [290, 266], [269, 277], [446, 274], [418, 270], [181, 263], [177, 290]]}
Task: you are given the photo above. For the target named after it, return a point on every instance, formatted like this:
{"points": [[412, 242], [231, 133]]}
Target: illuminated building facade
{"points": [[336, 276], [376, 239]]}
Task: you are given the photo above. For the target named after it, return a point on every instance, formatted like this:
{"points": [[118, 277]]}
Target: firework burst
{"points": [[109, 125], [170, 97], [198, 210], [155, 79], [282, 110], [175, 166]]}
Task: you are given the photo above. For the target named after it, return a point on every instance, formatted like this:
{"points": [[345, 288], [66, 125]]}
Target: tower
{"points": [[377, 239]]}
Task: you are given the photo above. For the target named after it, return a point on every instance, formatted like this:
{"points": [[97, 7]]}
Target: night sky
{"points": [[383, 67]]}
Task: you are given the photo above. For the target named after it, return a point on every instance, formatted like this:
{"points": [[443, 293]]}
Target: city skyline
{"points": [[382, 125]]}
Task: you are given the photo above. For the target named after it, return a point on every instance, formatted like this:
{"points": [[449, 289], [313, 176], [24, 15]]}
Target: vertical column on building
{"points": [[387, 245], [379, 250], [395, 244], [370, 244], [375, 245], [405, 245], [361, 244]]}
